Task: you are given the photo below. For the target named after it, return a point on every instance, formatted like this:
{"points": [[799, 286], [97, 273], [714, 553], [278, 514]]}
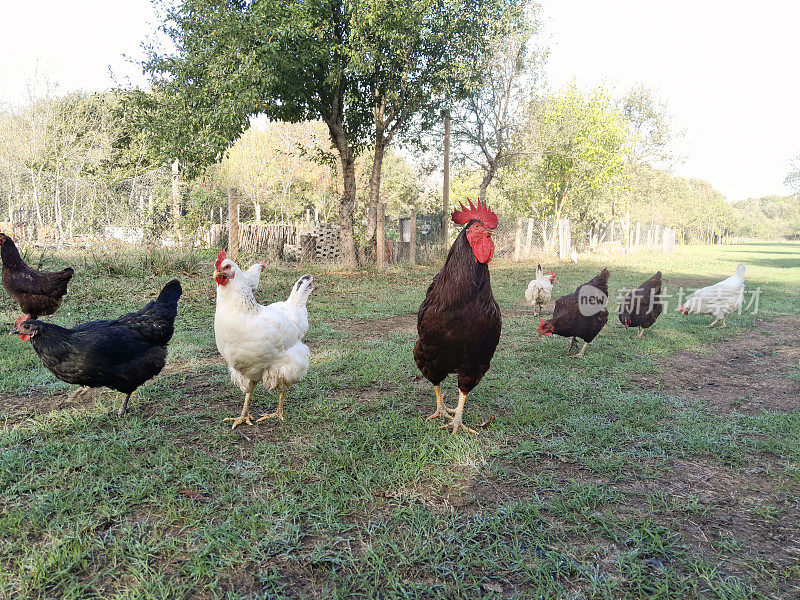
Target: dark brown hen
{"points": [[642, 306], [581, 314], [38, 293], [459, 320]]}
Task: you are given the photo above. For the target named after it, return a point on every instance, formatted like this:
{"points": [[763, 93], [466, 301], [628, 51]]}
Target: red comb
{"points": [[220, 257], [482, 212]]}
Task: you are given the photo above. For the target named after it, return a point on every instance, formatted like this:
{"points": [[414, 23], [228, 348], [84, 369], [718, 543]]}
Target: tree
{"points": [[488, 122], [793, 178], [363, 68], [583, 152]]}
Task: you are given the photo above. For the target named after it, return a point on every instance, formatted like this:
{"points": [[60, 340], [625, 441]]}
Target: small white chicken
{"points": [[718, 300], [260, 343], [540, 290], [253, 274]]}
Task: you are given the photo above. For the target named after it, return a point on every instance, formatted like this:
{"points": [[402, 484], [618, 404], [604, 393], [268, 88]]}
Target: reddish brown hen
{"points": [[38, 293], [459, 320], [581, 314]]}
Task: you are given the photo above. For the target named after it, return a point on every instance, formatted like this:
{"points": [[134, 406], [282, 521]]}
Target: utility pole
{"points": [[446, 182]]}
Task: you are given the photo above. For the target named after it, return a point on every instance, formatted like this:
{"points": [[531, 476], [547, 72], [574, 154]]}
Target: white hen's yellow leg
{"points": [[712, 324], [724, 324], [245, 417], [455, 424], [580, 354], [278, 413], [441, 409]]}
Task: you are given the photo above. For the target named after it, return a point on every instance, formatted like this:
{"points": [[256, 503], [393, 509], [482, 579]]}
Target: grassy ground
{"points": [[596, 479]]}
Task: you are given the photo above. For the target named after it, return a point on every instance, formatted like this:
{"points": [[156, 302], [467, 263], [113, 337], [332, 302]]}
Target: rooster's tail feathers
{"points": [[740, 269], [539, 272], [171, 293]]}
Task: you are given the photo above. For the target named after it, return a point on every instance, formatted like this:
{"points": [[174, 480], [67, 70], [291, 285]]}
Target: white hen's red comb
{"points": [[220, 257], [482, 212]]}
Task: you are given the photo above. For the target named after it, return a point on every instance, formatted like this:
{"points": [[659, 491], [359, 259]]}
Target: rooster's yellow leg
{"points": [[278, 413], [712, 324], [641, 332], [245, 417], [580, 354], [455, 423], [441, 409]]}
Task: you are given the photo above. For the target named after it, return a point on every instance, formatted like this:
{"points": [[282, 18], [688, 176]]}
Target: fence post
{"points": [[380, 240], [233, 223], [529, 241], [412, 250], [176, 201], [518, 240]]}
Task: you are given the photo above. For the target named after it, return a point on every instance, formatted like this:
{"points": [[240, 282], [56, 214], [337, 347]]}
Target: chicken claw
{"points": [[441, 409], [278, 413], [266, 416], [248, 419], [456, 426]]}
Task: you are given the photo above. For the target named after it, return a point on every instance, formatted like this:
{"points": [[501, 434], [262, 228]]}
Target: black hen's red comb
{"points": [[482, 212], [220, 258]]}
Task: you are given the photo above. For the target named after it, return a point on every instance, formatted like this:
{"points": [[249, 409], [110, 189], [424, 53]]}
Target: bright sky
{"points": [[727, 70], [727, 74]]}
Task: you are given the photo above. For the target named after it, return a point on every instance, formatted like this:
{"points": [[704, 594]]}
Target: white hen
{"points": [[540, 290], [718, 300], [253, 274], [260, 343]]}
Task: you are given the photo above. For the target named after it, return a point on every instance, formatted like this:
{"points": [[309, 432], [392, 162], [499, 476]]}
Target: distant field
{"points": [[665, 467]]}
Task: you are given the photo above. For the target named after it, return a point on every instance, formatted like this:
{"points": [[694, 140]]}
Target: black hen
{"points": [[459, 320], [642, 306], [38, 293], [120, 354], [581, 314]]}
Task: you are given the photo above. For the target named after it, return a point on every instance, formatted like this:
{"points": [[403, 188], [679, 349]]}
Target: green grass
{"points": [[584, 485]]}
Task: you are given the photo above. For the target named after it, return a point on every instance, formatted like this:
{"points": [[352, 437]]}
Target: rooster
{"points": [[260, 343], [581, 314], [121, 354], [718, 300], [39, 293], [642, 306], [459, 321], [540, 290]]}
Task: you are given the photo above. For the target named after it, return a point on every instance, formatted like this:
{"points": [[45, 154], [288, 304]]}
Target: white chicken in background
{"points": [[718, 300], [260, 343], [540, 289], [253, 274]]}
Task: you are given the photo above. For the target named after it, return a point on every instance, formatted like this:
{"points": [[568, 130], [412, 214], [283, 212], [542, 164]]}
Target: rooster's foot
{"points": [[442, 411], [248, 419], [278, 415], [455, 424]]}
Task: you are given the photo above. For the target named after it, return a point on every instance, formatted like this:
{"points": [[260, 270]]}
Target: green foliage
{"points": [[771, 217], [582, 158]]}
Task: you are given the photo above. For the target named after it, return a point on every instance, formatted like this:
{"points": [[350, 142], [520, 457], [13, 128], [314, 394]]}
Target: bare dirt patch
{"points": [[377, 328], [752, 372]]}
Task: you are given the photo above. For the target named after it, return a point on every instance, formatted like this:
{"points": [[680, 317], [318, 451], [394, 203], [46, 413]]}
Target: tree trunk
{"points": [[347, 203], [412, 250], [487, 179], [374, 193], [380, 240], [446, 180], [233, 223]]}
